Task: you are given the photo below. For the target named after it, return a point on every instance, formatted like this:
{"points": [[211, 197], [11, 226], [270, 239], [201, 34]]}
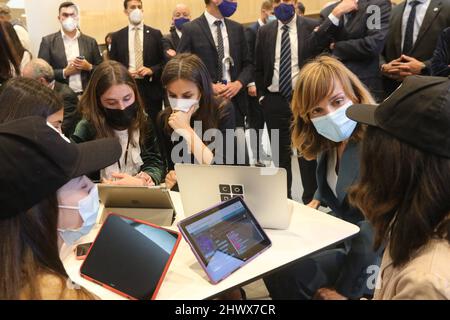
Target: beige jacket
{"points": [[425, 277]]}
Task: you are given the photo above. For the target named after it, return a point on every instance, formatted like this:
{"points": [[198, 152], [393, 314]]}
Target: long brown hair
{"points": [[404, 193], [106, 75], [315, 83], [23, 97], [29, 250], [190, 67], [9, 55]]}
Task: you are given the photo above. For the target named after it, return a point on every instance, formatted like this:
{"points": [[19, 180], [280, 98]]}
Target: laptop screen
{"points": [[225, 238], [130, 257]]}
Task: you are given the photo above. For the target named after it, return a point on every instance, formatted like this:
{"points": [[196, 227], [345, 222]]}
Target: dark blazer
{"points": [[198, 39], [441, 57], [52, 50], [171, 41], [251, 33], [310, 43], [436, 20], [359, 46], [360, 255], [71, 114], [153, 55]]}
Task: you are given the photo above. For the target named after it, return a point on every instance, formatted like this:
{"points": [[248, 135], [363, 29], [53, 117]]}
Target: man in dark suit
{"points": [[72, 54], [41, 71], [360, 39], [414, 31], [282, 48], [214, 38], [255, 113], [181, 15], [139, 48]]}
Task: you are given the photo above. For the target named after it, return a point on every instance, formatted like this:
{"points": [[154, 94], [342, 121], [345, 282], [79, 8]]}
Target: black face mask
{"points": [[121, 119]]}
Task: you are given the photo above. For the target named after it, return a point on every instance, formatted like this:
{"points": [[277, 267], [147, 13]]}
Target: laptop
{"points": [[130, 257], [152, 205], [263, 189], [224, 238]]}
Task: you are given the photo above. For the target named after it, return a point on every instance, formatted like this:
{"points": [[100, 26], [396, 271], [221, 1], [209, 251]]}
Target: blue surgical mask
{"points": [[180, 22], [271, 18], [227, 8], [335, 126], [88, 209], [285, 12]]}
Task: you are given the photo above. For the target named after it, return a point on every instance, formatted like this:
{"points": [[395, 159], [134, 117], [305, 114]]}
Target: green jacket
{"points": [[150, 152]]}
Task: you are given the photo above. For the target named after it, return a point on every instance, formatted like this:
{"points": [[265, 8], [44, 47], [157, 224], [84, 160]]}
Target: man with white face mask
{"points": [[140, 48], [72, 55]]}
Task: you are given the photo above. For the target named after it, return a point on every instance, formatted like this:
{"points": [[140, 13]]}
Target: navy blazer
{"points": [[52, 50], [441, 57]]}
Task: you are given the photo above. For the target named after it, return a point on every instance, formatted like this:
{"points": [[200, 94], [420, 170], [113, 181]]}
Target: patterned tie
{"points": [[408, 43], [286, 64], [138, 48], [220, 49]]}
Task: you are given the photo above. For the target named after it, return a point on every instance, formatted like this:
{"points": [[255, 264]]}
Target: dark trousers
{"points": [[152, 102], [278, 116], [256, 122]]}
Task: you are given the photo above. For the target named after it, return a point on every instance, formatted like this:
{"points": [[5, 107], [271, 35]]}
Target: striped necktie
{"points": [[138, 48], [220, 50], [286, 64]]}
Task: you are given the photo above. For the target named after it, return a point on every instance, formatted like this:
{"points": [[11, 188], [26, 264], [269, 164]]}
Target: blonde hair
{"points": [[315, 83]]}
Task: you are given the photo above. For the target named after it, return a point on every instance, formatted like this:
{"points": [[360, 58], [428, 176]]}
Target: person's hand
{"points": [[411, 65], [219, 88], [82, 64], [171, 53], [180, 121], [394, 70], [252, 92], [70, 70], [346, 6], [231, 90], [328, 294], [171, 179], [333, 46], [144, 72], [315, 204], [123, 179]]}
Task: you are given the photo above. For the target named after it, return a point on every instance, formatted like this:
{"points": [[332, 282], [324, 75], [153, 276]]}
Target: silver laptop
{"points": [[263, 189], [152, 205]]}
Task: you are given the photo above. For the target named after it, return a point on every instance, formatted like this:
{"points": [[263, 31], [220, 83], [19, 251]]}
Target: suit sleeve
{"points": [[167, 45], [97, 58], [151, 156], [114, 52], [246, 75], [259, 62], [158, 68], [185, 45], [372, 44], [441, 58], [44, 53]]}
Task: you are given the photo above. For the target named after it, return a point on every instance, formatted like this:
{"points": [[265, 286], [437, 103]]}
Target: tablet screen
{"points": [[225, 238], [130, 257]]}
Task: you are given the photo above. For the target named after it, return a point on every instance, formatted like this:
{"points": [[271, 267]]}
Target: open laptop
{"points": [[263, 190], [152, 205]]}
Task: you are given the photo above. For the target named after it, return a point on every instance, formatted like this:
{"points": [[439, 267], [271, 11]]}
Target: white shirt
{"points": [[179, 33], [131, 35], [421, 11], [275, 87], [24, 37], [72, 49], [332, 176], [226, 42]]}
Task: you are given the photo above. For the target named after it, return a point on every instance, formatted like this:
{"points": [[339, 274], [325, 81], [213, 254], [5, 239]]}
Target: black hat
{"points": [[35, 161], [417, 113]]}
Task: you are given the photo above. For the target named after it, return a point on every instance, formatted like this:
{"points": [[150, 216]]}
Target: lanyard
{"points": [[126, 158]]}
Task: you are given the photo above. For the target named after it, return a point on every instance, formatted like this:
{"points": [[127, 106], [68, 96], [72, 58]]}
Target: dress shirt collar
{"points": [[211, 19], [65, 36], [140, 26], [291, 24]]}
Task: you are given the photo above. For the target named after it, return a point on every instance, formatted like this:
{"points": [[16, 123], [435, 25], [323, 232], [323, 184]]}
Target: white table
{"points": [[310, 231]]}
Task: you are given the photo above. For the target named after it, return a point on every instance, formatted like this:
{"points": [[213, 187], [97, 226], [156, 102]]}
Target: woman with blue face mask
{"points": [[321, 130]]}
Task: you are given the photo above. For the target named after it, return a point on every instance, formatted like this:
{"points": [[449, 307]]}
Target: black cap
{"points": [[417, 113], [35, 161]]}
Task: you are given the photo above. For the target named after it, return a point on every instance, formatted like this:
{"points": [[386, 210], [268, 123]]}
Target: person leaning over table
{"points": [[36, 164], [112, 107], [321, 130], [404, 188]]}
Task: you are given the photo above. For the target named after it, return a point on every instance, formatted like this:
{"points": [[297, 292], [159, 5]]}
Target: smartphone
{"points": [[80, 58], [82, 250]]}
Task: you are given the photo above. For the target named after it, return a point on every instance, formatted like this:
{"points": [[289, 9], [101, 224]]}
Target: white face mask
{"points": [[335, 126], [136, 16], [70, 24], [183, 105], [88, 209]]}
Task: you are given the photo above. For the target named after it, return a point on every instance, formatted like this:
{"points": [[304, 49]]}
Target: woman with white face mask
{"points": [[321, 130], [192, 105]]}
